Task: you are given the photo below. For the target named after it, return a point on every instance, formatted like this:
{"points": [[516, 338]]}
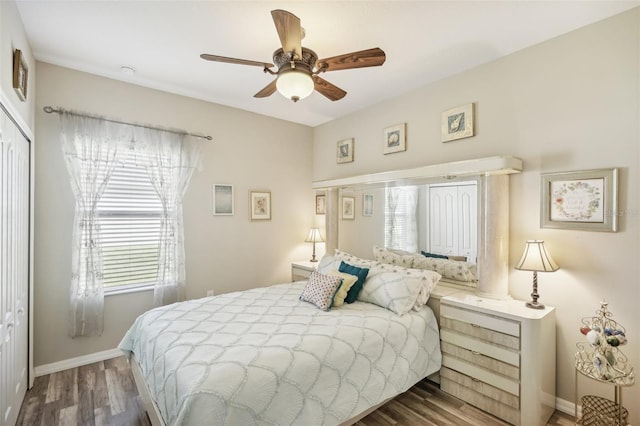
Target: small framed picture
{"points": [[585, 200], [367, 205], [394, 139], [344, 152], [321, 200], [260, 202], [457, 123], [348, 208], [20, 75], [222, 199]]}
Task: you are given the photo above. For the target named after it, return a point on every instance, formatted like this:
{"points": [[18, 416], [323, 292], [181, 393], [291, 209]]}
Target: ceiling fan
{"points": [[298, 67]]}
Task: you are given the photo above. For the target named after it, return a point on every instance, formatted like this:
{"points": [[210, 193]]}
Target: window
{"points": [[400, 214], [129, 215]]}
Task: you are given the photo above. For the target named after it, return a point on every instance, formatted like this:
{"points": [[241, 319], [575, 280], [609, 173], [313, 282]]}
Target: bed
{"points": [[264, 357]]}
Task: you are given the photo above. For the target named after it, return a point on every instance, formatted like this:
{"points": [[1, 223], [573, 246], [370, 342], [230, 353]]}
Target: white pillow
{"points": [[327, 264], [353, 260], [392, 291], [395, 258], [452, 269], [429, 279]]}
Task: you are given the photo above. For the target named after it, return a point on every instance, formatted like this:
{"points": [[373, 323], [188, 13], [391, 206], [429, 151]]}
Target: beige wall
{"points": [[224, 253], [571, 103], [13, 37]]}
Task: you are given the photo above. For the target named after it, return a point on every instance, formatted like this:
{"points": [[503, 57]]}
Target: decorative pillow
{"points": [[429, 279], [353, 260], [348, 281], [392, 291], [361, 273], [452, 269], [327, 264], [437, 256], [320, 290], [388, 256]]}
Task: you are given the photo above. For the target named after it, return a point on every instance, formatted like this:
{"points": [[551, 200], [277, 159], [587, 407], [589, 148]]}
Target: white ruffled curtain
{"points": [[401, 220], [91, 147], [170, 160]]}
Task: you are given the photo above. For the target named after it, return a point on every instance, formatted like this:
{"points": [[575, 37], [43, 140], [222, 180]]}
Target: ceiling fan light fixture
{"points": [[294, 84]]}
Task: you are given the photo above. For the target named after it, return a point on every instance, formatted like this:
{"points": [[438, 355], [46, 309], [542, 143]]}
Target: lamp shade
{"points": [[314, 236], [294, 84], [536, 258]]}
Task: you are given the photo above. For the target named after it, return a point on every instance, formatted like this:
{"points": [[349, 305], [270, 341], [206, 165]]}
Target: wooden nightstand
{"points": [[499, 356], [302, 269]]}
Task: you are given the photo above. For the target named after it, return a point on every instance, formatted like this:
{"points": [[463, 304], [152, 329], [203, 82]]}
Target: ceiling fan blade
{"points": [[364, 58], [289, 31], [327, 89], [217, 58], [268, 90]]}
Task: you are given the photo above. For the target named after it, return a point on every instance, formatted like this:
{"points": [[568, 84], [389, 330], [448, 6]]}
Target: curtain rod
{"points": [[49, 110]]}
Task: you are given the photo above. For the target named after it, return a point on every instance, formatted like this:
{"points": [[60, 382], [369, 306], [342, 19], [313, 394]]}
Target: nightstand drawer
{"points": [[476, 358], [497, 380], [478, 319], [476, 394], [481, 346]]}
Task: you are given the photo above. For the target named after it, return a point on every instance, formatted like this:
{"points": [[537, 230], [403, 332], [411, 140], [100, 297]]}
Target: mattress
{"points": [[263, 357]]}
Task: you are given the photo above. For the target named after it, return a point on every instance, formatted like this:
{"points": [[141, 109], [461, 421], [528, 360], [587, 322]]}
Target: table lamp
{"points": [[536, 259], [313, 237]]}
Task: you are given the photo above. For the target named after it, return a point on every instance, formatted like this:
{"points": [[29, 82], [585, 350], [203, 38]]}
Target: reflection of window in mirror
{"points": [[401, 219]]}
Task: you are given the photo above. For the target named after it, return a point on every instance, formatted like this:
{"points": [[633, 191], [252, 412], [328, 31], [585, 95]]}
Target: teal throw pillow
{"points": [[361, 273], [437, 256]]}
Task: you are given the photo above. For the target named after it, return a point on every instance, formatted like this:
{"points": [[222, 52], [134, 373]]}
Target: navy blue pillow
{"points": [[355, 289], [437, 256]]}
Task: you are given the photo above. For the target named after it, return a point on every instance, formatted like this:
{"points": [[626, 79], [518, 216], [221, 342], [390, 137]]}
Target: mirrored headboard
{"points": [[366, 229]]}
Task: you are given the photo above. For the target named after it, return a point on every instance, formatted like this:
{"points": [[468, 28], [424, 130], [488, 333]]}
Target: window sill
{"points": [[116, 291]]}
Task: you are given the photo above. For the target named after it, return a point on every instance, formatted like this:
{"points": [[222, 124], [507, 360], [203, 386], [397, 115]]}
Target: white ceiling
{"points": [[162, 40]]}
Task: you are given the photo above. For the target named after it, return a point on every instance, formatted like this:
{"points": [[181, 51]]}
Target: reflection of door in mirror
{"points": [[453, 220]]}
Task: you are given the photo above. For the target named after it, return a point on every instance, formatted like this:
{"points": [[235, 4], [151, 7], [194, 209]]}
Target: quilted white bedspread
{"points": [[263, 357]]}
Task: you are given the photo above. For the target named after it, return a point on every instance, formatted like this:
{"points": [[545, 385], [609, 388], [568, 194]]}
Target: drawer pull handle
{"points": [[475, 325], [475, 352], [475, 380]]}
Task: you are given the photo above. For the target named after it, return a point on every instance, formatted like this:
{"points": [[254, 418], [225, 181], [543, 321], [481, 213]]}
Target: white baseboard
{"points": [[567, 407], [54, 367]]}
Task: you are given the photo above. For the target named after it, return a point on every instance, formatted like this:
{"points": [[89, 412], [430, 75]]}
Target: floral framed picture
{"points": [[260, 204], [222, 199], [321, 203], [583, 200], [394, 139], [348, 208], [367, 205], [344, 151], [457, 123]]}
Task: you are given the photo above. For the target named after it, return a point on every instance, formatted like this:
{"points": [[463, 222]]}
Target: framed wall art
{"points": [[20, 75], [457, 123], [348, 208], [583, 200], [321, 203], [222, 199], [367, 205], [394, 139], [260, 204], [344, 151]]}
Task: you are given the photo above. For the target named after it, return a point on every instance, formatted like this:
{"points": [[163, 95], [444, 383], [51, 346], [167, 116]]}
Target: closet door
{"points": [[443, 220], [468, 222], [14, 268]]}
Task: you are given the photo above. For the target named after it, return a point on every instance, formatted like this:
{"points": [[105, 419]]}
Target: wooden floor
{"points": [[104, 393]]}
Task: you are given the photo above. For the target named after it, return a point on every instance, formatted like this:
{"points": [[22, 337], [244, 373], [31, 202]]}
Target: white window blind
{"points": [[129, 214]]}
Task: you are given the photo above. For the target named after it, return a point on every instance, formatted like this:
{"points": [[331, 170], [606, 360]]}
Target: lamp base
{"points": [[313, 259], [534, 305]]}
